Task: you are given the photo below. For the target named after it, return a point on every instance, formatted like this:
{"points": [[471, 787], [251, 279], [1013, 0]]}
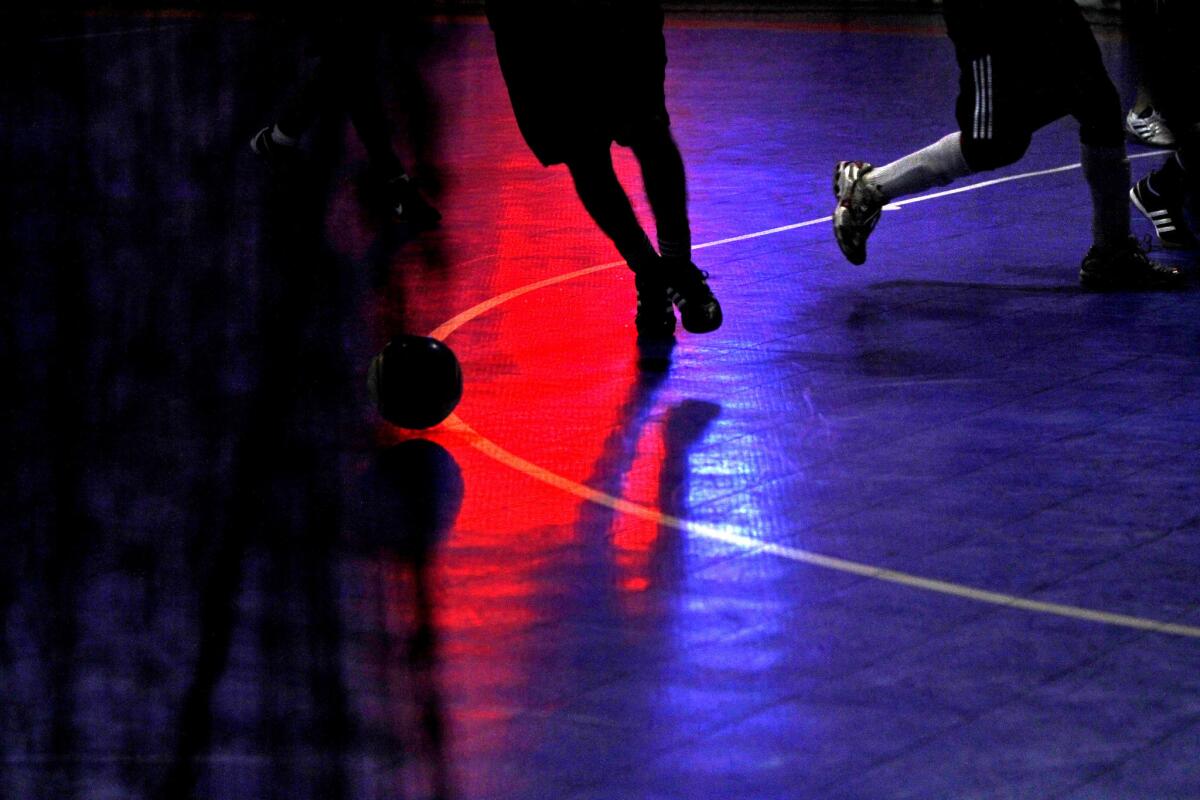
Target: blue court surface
{"points": [[924, 528]]}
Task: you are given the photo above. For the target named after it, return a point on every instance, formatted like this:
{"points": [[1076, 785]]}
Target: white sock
{"points": [[935, 165]]}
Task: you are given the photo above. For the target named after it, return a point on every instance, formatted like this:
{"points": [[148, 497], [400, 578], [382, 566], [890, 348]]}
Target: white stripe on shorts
{"points": [[983, 98]]}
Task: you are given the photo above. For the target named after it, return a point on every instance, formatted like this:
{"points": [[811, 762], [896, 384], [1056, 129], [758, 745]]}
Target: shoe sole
{"points": [[706, 326], [1098, 284], [855, 254], [703, 323], [1104, 283]]}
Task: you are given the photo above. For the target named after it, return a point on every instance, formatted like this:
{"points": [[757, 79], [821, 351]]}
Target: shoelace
{"points": [[1141, 256]]}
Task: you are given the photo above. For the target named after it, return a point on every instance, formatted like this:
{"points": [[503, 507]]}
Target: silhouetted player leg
{"points": [[660, 282], [665, 181], [608, 205], [580, 77], [666, 188]]}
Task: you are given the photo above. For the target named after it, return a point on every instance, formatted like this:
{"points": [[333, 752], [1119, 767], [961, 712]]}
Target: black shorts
{"points": [[581, 77], [1164, 35], [1024, 64]]}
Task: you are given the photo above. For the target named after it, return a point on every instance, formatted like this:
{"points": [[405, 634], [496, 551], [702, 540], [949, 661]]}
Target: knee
{"points": [[1188, 152], [587, 158], [591, 170], [987, 154], [1101, 122], [650, 135]]}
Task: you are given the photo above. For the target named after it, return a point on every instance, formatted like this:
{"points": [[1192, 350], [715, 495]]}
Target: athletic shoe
{"points": [[859, 205], [281, 159], [1148, 128], [408, 205], [655, 315], [687, 288], [1167, 217], [1126, 266]]}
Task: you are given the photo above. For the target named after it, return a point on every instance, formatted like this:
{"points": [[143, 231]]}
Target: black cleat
{"points": [[687, 288], [1127, 267], [1167, 216]]}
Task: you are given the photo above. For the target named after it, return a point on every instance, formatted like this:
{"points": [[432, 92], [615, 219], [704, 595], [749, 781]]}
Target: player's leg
{"points": [[305, 103], [862, 189], [1144, 124], [991, 134], [605, 200], [665, 181], [993, 128], [1172, 67], [278, 144], [1115, 260], [352, 67], [313, 94]]}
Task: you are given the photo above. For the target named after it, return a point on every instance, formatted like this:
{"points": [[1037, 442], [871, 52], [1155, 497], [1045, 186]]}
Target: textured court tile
{"points": [[1163, 769], [795, 748]]}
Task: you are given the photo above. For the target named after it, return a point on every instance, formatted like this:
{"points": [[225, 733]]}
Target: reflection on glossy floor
{"points": [[224, 577]]}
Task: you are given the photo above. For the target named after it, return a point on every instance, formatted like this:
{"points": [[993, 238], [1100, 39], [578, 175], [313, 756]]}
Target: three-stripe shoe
{"points": [[687, 288], [1148, 128], [859, 205], [1166, 215]]}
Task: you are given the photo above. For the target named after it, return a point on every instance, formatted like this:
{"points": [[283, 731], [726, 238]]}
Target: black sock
{"points": [[608, 205], [666, 188]]}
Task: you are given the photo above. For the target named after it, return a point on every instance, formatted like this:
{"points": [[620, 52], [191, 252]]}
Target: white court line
{"points": [[78, 37], [919, 199], [1022, 176], [737, 538]]}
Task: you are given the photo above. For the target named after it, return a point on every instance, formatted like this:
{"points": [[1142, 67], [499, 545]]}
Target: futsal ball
{"points": [[415, 382]]}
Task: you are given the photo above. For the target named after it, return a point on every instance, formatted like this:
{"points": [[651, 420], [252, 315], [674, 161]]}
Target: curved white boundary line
{"points": [[736, 538]]}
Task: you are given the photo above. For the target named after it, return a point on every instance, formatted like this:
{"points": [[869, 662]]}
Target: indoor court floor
{"points": [[924, 528]]}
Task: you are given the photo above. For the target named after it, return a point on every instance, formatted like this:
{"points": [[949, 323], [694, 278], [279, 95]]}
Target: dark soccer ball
{"points": [[415, 382]]}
